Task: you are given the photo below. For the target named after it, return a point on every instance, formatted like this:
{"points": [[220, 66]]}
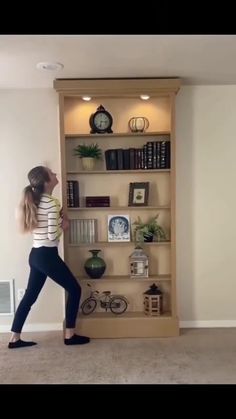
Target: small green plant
{"points": [[88, 150], [146, 231]]}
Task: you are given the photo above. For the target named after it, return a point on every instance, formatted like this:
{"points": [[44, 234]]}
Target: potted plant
{"points": [[88, 153], [145, 232]]}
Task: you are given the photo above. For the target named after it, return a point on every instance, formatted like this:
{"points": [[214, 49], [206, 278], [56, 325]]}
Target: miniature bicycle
{"points": [[116, 303]]}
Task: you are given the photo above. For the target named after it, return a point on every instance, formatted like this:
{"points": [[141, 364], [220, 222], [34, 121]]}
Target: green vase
{"points": [[95, 266]]}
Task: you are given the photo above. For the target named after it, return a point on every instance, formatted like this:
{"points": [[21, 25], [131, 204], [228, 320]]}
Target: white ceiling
{"points": [[196, 59]]}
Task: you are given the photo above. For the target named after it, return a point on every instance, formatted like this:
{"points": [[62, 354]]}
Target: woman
{"points": [[40, 214]]}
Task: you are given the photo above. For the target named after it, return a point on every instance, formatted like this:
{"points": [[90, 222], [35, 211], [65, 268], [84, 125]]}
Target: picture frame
{"points": [[118, 227], [138, 194]]}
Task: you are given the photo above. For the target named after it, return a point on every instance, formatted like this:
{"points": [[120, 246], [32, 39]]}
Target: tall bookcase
{"points": [[121, 97]]}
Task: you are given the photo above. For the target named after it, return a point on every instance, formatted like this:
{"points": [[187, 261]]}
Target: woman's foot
{"points": [[76, 340], [20, 344]]}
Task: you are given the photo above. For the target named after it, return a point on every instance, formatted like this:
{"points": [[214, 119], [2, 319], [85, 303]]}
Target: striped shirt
{"points": [[49, 228]]}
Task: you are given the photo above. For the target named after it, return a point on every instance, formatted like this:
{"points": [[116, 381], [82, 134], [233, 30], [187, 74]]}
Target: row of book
{"points": [[83, 231], [73, 199], [153, 155]]}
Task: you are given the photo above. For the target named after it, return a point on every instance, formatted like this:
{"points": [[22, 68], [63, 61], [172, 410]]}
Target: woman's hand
{"points": [[62, 215], [65, 221], [65, 224]]}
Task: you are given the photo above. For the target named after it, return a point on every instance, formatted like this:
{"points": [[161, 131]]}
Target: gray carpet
{"points": [[197, 356]]}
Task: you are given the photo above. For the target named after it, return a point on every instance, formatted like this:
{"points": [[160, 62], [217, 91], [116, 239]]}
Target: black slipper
{"points": [[20, 344], [77, 340]]}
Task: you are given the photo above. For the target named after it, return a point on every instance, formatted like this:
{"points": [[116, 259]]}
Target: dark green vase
{"points": [[95, 266]]}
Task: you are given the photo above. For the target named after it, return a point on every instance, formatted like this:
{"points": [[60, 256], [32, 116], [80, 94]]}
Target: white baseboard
{"points": [[37, 327], [188, 324], [191, 324]]}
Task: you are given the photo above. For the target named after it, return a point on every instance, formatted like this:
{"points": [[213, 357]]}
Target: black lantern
{"points": [[153, 301]]}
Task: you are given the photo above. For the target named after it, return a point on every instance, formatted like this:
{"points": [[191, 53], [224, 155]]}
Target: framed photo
{"points": [[138, 194], [118, 228]]}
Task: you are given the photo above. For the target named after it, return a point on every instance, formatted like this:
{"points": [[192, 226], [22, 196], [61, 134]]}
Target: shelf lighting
{"points": [[144, 97], [86, 98]]}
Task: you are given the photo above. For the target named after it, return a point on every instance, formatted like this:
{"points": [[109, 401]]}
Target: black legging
{"points": [[45, 261]]}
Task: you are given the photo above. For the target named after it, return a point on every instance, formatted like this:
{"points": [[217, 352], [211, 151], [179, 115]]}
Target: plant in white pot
{"points": [[88, 153]]}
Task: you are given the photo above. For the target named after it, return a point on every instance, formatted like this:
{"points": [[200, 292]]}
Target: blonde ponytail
{"points": [[27, 211], [27, 214]]}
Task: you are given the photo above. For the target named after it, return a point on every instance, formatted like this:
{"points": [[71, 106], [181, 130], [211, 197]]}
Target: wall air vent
{"points": [[7, 300]]}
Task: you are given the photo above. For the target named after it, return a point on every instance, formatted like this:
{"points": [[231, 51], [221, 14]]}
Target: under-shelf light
{"points": [[144, 97], [86, 98]]}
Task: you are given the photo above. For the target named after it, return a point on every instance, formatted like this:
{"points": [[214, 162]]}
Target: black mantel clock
{"points": [[101, 121]]}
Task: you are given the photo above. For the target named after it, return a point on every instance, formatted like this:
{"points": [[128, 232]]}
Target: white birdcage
{"points": [[138, 263]]}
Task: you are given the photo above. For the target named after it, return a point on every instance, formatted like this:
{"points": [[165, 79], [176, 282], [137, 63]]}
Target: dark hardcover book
{"points": [[71, 195], [107, 159], [120, 160], [142, 158], [149, 155], [111, 159], [97, 201], [158, 155], [168, 155], [126, 159], [154, 149], [75, 188], [68, 194], [132, 158], [145, 156], [139, 158], [136, 158], [163, 162]]}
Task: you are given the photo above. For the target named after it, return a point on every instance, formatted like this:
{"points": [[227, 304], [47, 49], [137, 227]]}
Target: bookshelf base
{"points": [[131, 325]]}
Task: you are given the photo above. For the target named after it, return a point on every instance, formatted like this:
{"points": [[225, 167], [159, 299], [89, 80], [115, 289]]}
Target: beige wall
{"points": [[206, 201], [206, 149], [28, 137]]}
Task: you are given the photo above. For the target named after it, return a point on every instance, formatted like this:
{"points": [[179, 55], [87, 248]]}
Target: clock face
{"points": [[101, 121]]}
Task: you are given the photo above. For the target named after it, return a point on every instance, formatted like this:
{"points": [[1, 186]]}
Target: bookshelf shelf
{"points": [[126, 278], [123, 208], [128, 314], [152, 153], [130, 324], [118, 134], [105, 243], [114, 172]]}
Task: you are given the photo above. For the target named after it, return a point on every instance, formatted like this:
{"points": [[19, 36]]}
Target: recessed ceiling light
{"points": [[144, 97], [86, 98], [48, 66]]}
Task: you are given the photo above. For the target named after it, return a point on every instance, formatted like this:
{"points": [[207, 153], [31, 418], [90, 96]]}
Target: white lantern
{"points": [[138, 262]]}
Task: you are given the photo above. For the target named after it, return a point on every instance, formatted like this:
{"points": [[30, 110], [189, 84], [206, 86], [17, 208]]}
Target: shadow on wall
{"points": [[185, 204]]}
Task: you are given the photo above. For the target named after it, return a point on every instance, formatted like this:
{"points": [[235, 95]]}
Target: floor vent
{"points": [[7, 301]]}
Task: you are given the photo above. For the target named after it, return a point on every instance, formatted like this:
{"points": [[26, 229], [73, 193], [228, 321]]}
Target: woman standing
{"points": [[40, 214]]}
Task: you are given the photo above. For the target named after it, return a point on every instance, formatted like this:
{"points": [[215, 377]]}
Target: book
{"points": [[72, 194], [83, 231]]}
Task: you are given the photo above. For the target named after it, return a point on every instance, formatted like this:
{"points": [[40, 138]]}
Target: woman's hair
{"points": [[31, 198]]}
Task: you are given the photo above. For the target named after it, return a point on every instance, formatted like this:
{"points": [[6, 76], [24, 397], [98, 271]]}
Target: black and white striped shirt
{"points": [[49, 228]]}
